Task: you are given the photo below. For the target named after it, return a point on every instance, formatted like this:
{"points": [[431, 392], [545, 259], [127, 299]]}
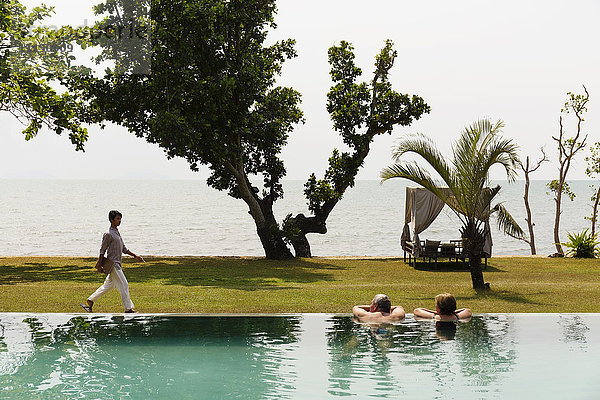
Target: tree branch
{"points": [[539, 162]]}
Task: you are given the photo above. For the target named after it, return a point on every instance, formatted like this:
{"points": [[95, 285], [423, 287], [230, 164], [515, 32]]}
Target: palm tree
{"points": [[467, 180]]}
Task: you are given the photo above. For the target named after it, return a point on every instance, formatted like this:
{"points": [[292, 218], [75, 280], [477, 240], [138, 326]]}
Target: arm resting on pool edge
{"points": [[424, 313], [396, 312]]}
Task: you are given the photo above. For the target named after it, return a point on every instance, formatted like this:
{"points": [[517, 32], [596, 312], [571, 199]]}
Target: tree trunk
{"points": [[261, 211], [301, 246], [303, 225], [528, 209], [558, 198], [595, 212], [477, 273], [272, 241], [473, 241]]}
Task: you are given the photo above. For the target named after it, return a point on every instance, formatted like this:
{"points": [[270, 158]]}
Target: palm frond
{"points": [[506, 223], [424, 147], [504, 152], [413, 172], [482, 209], [470, 152], [473, 139], [490, 131]]}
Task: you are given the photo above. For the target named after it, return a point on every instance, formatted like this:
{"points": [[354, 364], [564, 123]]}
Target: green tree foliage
{"points": [[123, 34], [466, 177], [554, 186], [33, 61], [359, 111]]}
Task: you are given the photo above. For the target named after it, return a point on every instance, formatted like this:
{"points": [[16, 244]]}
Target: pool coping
{"points": [[262, 314]]}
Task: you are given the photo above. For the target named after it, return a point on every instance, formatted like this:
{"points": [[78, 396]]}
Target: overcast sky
{"points": [[512, 60]]}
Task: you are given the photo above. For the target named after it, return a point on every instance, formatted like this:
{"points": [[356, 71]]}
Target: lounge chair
{"points": [[431, 250]]}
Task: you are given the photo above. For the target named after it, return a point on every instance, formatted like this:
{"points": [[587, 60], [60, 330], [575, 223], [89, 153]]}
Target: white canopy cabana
{"points": [[422, 208]]}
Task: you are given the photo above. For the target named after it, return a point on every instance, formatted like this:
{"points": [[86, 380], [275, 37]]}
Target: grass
{"points": [[250, 285]]}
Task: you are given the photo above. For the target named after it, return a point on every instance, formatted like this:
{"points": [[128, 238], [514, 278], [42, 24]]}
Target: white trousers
{"points": [[117, 279]]}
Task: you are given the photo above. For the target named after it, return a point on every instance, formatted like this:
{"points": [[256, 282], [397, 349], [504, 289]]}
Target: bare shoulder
{"points": [[359, 311], [397, 314], [370, 317], [378, 318]]}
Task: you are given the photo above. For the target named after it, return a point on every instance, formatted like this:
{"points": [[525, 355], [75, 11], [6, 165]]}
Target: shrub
{"points": [[582, 245]]}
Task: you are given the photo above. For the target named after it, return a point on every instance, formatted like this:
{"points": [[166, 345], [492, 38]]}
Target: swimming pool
{"points": [[302, 356]]}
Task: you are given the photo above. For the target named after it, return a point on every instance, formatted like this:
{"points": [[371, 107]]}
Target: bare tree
{"points": [[527, 169], [593, 171], [567, 148]]}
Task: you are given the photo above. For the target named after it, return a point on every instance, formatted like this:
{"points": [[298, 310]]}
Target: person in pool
{"points": [[445, 310], [380, 310]]}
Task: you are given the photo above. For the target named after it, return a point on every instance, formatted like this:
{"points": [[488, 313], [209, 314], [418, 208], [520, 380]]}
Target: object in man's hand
{"points": [[106, 267]]}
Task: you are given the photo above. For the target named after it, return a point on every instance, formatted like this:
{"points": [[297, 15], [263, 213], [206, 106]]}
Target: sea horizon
{"points": [[66, 217]]}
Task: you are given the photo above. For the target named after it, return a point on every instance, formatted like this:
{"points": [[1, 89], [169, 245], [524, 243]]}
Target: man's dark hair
{"points": [[112, 214], [383, 302]]}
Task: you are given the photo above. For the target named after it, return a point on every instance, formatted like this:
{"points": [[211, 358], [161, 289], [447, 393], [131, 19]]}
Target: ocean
{"points": [[188, 218]]}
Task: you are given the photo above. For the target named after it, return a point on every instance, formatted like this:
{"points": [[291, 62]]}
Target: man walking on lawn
{"points": [[113, 245]]}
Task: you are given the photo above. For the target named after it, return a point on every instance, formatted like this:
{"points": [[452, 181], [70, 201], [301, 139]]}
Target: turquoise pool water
{"points": [[303, 356]]}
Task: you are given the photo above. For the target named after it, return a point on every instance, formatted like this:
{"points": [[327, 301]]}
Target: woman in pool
{"points": [[445, 309]]}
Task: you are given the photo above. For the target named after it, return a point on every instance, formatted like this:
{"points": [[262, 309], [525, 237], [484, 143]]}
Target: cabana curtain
{"points": [[422, 208]]}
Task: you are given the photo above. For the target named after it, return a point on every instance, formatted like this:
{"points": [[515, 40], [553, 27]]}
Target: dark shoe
{"points": [[131, 311], [86, 308]]}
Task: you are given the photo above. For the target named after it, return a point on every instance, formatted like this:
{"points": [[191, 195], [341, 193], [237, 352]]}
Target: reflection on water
{"points": [[300, 356], [574, 330], [445, 330], [487, 348], [479, 351], [148, 356]]}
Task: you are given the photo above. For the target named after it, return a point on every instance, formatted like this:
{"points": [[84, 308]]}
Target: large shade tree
{"points": [[466, 177], [211, 98]]}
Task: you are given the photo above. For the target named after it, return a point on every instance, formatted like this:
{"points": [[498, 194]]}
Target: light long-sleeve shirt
{"points": [[113, 245]]}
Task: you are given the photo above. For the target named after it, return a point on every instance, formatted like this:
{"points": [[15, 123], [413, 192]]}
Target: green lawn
{"points": [[250, 285]]}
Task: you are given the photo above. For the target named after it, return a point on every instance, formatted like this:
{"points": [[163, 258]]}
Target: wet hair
{"points": [[383, 302], [112, 214], [446, 303]]}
